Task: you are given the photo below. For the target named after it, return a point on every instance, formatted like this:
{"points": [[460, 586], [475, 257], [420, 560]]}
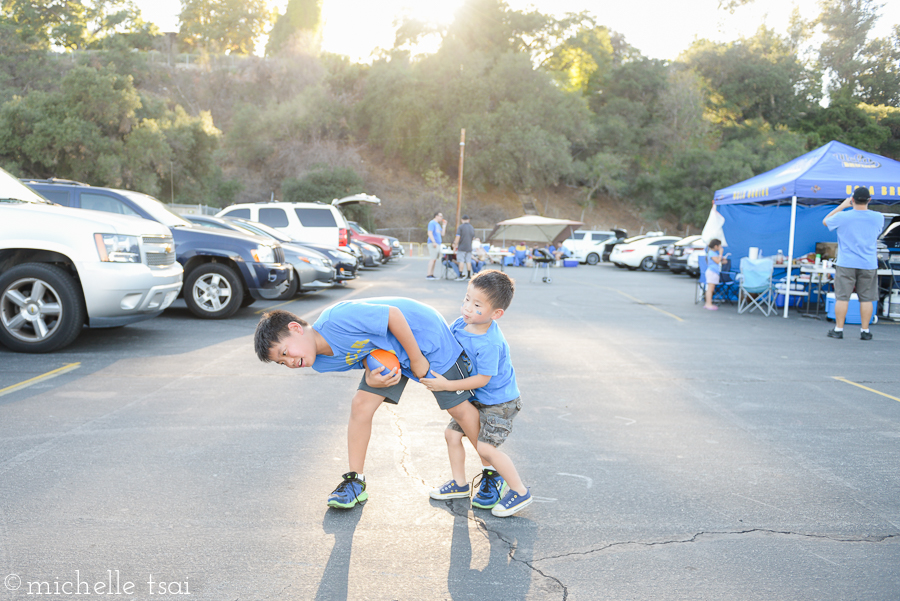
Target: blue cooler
{"points": [[853, 316]]}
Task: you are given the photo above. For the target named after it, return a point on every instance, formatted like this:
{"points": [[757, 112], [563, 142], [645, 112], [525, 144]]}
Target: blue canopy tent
{"points": [[798, 195]]}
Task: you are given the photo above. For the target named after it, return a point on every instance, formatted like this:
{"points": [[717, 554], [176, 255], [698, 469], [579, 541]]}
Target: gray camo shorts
{"points": [[496, 421]]}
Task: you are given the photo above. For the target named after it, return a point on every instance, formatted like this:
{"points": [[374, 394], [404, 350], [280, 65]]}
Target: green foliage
{"points": [[323, 185], [846, 25], [90, 130], [844, 121], [220, 26], [879, 80], [59, 22], [301, 20]]}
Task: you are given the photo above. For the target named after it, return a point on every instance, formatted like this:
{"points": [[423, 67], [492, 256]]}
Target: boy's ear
{"points": [[295, 327], [497, 314]]}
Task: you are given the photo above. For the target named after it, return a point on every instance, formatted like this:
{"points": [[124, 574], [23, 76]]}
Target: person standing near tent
{"points": [[437, 227], [462, 244], [857, 260]]}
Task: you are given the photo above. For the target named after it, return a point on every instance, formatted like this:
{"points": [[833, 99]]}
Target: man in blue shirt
{"points": [[437, 227], [857, 260]]}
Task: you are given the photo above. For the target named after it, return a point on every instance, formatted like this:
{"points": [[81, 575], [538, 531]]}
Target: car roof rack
{"points": [[53, 180]]}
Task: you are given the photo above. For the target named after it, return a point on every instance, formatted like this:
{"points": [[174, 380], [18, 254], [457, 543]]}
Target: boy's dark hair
{"points": [[272, 327], [715, 242], [498, 287]]}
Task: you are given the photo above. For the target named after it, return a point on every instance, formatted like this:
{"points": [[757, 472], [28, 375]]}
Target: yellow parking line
{"points": [[276, 306], [50, 374], [640, 302], [845, 380]]}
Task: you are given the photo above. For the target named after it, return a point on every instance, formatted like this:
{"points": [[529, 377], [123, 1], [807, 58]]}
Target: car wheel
{"points": [[648, 264], [676, 271], [213, 291], [41, 308], [593, 259], [291, 292]]}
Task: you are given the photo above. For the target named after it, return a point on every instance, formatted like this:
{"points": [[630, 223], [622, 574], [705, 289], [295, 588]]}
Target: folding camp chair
{"points": [[724, 292], [755, 286], [542, 260]]}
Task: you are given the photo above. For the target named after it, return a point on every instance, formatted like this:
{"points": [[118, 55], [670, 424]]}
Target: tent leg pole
{"points": [[787, 287]]}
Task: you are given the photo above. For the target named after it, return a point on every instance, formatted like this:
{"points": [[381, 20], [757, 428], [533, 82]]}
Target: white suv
{"points": [[584, 245], [313, 222], [63, 268]]}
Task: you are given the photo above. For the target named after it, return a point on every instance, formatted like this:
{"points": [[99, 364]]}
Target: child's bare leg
{"points": [[457, 454], [359, 429], [466, 415], [709, 294], [503, 464]]}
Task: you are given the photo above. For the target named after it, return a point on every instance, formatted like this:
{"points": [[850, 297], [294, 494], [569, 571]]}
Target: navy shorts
{"points": [[446, 399]]}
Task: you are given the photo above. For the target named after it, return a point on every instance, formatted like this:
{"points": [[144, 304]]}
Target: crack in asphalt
{"points": [[405, 458], [697, 536], [511, 546]]}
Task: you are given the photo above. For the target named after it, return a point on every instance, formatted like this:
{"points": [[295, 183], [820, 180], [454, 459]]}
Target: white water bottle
{"points": [[780, 257]]}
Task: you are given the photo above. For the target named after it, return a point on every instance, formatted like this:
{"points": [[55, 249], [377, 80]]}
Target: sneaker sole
{"points": [[454, 495], [351, 504], [515, 509]]}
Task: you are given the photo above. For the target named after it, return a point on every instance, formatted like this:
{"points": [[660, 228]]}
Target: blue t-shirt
{"points": [[355, 328], [489, 354], [710, 264], [858, 233], [435, 228]]}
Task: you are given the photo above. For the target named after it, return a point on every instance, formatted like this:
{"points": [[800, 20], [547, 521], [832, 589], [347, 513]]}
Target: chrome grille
{"points": [[159, 251]]}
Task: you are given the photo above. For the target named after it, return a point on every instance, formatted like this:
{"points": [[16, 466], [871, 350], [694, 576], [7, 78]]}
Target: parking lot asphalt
{"points": [[674, 453]]}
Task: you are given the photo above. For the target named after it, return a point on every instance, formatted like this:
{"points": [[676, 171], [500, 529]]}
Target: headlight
{"points": [[263, 254], [316, 261], [116, 248], [395, 243]]}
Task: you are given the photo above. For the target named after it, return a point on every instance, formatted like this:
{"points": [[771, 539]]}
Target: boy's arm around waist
{"points": [[438, 382], [399, 327]]}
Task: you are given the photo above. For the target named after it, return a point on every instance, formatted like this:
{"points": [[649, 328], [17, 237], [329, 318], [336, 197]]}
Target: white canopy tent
{"points": [[534, 228]]}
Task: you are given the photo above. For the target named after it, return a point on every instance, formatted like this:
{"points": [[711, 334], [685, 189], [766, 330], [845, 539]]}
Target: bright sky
{"points": [[658, 29]]}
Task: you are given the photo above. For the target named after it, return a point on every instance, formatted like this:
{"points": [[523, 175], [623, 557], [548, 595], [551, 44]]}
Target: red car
{"points": [[379, 242]]}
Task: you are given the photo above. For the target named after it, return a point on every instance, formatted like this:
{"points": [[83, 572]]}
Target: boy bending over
{"points": [[342, 337]]}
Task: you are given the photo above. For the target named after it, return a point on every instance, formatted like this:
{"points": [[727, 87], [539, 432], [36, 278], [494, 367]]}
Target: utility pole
{"points": [[462, 155]]}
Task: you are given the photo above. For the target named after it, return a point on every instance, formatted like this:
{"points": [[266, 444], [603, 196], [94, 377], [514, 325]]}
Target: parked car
{"points": [[62, 269], [371, 256], [315, 222], [344, 261], [388, 246], [639, 253], [223, 271], [663, 255], [312, 269], [681, 250], [585, 245]]}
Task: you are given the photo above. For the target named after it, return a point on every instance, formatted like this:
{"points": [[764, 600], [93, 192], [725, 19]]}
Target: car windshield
{"points": [[12, 190], [157, 210], [357, 228], [260, 229]]}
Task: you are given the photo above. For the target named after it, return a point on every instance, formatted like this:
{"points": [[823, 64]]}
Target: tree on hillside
{"points": [[846, 25], [220, 26], [879, 80], [58, 22], [759, 77], [297, 29]]}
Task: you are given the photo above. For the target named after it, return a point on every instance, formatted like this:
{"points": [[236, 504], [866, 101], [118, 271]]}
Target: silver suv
{"points": [[312, 222], [62, 269]]}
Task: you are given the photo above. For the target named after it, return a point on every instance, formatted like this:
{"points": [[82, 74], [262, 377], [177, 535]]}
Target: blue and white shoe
{"points": [[450, 490], [350, 492], [491, 489], [511, 503]]}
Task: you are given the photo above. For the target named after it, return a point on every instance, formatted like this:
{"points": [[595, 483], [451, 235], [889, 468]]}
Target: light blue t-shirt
{"points": [[435, 228], [857, 237], [710, 264], [355, 328], [489, 354]]}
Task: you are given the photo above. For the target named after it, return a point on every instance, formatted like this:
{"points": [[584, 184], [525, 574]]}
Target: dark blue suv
{"points": [[223, 271]]}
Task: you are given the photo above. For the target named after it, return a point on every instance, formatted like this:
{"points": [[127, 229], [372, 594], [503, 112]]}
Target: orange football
{"points": [[379, 359]]}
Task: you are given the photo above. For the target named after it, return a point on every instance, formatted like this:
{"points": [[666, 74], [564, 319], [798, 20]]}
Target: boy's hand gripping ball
{"points": [[380, 359]]}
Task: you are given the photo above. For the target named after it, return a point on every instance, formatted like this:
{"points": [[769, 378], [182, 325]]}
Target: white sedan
{"points": [[640, 253]]}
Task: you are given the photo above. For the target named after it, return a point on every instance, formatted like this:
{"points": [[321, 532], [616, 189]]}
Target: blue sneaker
{"points": [[511, 503], [349, 492], [491, 489], [450, 490]]}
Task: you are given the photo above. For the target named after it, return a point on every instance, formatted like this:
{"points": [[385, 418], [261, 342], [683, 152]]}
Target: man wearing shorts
{"points": [[857, 260], [462, 244], [437, 227]]}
